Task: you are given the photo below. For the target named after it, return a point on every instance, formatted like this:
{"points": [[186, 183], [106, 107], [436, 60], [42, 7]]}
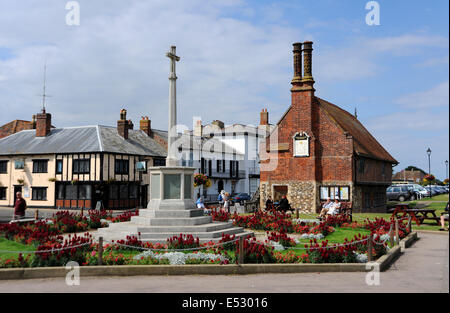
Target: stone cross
{"points": [[172, 159]]}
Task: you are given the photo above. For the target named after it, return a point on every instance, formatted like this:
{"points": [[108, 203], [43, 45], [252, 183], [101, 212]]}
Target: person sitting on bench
{"points": [[330, 208], [284, 204]]}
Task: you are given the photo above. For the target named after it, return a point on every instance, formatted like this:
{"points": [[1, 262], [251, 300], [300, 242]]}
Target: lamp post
{"points": [[446, 169], [429, 169]]}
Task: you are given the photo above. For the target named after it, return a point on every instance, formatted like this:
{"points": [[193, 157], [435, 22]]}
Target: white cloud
{"points": [[116, 58], [434, 97]]}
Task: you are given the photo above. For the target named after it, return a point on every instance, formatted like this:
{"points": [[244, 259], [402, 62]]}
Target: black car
{"points": [[398, 193]]}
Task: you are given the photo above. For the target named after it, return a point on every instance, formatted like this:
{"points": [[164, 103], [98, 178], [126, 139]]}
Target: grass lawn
{"points": [[444, 197], [8, 245]]}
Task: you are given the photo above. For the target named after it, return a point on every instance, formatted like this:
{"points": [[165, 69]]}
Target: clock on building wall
{"points": [[301, 145]]}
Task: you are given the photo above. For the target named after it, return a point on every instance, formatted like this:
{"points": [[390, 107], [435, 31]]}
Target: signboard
{"points": [[301, 145], [26, 192], [19, 164], [141, 166]]}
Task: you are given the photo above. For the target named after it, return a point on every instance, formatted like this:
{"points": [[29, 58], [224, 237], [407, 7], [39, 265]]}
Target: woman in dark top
{"points": [[284, 204], [269, 204]]}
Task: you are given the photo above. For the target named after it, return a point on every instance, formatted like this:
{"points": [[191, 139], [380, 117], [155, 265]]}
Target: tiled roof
{"points": [[86, 139], [14, 127], [364, 143]]}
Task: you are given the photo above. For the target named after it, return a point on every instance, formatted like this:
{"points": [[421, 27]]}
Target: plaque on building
{"points": [[301, 145]]}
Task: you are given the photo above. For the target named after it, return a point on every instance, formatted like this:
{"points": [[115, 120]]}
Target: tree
{"points": [[413, 168]]}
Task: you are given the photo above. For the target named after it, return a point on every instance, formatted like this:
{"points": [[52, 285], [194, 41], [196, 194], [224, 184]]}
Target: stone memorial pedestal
{"points": [[171, 210]]}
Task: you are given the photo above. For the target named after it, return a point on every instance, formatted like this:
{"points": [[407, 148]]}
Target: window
{"points": [[84, 192], [113, 192], [2, 193], [81, 166], [39, 193], [234, 168], [60, 191], [159, 162], [342, 192], [3, 167], [59, 166], [123, 191], [121, 167], [19, 164], [71, 192], [133, 191], [40, 166], [220, 166]]}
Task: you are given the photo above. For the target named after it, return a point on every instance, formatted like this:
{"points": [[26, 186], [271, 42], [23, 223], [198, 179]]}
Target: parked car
{"points": [[431, 190], [399, 193], [418, 191], [241, 197]]}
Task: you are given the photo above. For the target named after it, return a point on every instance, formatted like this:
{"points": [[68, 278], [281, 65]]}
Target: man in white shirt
{"points": [[325, 207], [334, 208]]}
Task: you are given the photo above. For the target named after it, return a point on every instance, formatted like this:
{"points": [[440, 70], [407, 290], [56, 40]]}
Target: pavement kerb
{"points": [[439, 232], [205, 269]]}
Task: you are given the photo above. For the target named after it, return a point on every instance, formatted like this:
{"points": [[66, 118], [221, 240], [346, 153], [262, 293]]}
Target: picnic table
{"points": [[418, 214]]}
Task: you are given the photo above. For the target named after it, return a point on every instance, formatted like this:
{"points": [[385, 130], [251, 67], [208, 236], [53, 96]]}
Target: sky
{"points": [[236, 59]]}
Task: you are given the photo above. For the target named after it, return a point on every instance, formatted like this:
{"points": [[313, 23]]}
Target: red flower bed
{"points": [[271, 220], [220, 216], [381, 227], [124, 217], [281, 238], [72, 249], [183, 242], [255, 252], [29, 233]]}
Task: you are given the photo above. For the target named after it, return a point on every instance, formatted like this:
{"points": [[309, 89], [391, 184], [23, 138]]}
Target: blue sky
{"points": [[235, 60]]}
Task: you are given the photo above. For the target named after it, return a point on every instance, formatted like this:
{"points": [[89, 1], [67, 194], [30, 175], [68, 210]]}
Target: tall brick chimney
{"points": [[146, 126], [297, 80], [264, 117], [43, 124], [304, 104], [122, 124], [33, 122]]}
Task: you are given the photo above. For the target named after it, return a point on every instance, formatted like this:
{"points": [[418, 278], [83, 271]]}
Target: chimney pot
{"points": [[145, 126], [264, 117], [297, 80], [307, 63], [123, 124]]}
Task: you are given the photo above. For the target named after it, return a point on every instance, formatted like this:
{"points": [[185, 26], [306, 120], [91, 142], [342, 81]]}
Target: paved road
{"points": [[423, 268]]}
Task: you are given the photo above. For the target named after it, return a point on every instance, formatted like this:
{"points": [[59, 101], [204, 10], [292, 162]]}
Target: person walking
{"points": [[226, 202], [20, 205]]}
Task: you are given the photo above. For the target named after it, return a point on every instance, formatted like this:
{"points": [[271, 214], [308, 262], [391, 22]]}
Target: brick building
{"points": [[318, 150]]}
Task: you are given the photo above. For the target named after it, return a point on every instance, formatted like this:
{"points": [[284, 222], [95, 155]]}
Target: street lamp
{"points": [[446, 169], [429, 168]]}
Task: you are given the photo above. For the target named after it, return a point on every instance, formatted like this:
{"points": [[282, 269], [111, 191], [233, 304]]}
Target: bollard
{"points": [[296, 213], [100, 251], [409, 225], [36, 215], [369, 248], [241, 250], [397, 237]]}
